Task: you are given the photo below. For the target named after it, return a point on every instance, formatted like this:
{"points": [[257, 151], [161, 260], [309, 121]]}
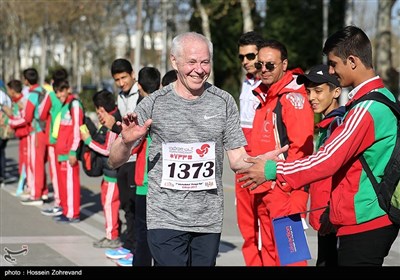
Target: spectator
{"points": [[4, 131], [283, 106], [36, 173], [247, 216], [168, 78], [109, 187], [21, 132], [323, 91], [48, 110], [128, 98], [66, 131]]}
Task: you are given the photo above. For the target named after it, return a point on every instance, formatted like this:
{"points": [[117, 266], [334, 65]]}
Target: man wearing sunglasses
{"points": [[284, 116], [248, 44]]}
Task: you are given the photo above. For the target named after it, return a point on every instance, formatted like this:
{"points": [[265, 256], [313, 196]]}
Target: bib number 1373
{"points": [[189, 166]]}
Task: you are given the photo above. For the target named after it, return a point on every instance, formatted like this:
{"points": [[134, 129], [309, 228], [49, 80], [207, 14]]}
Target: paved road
{"points": [[52, 244]]}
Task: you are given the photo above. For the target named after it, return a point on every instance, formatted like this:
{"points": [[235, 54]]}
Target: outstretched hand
{"points": [[254, 175], [131, 130]]}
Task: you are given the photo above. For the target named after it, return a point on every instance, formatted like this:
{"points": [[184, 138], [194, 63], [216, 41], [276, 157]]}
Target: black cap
{"points": [[318, 74]]}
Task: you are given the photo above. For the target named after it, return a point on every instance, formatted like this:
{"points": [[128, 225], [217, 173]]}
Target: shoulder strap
{"points": [[395, 107], [377, 96]]}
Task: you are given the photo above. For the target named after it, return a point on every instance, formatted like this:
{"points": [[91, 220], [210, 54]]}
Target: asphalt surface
{"points": [[39, 242]]}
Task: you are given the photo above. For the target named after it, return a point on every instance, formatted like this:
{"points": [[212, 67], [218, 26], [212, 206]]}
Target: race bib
{"points": [[189, 167]]}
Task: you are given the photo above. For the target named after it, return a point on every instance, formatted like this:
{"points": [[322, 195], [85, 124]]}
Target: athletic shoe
{"points": [[65, 220], [107, 243], [127, 261], [118, 253], [54, 211], [32, 202], [25, 195]]}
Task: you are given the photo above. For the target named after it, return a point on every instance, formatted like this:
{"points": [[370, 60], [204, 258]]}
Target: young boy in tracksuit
{"points": [[323, 91], [36, 175], [109, 187], [48, 110], [66, 130], [14, 90]]}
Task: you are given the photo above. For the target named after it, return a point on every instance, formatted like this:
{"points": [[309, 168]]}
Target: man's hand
{"points": [[131, 130], [254, 175], [105, 118]]}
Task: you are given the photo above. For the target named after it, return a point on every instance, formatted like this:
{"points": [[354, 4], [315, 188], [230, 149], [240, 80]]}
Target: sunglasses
{"points": [[268, 65], [249, 56]]}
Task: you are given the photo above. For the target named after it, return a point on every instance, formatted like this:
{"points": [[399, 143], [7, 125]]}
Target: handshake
{"points": [[254, 175]]}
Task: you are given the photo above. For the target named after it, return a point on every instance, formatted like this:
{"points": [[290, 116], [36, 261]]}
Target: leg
{"points": [[142, 254], [248, 225], [169, 247], [327, 250], [204, 249], [111, 204], [3, 144], [127, 196], [367, 248]]}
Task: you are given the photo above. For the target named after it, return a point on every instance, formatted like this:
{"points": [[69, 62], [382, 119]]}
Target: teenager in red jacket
{"points": [[365, 231], [283, 117], [323, 91]]}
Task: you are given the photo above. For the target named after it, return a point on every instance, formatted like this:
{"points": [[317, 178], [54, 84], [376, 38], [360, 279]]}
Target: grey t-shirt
{"points": [[213, 117]]}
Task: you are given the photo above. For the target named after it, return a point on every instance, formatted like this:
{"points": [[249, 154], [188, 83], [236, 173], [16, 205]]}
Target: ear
{"points": [[353, 60], [336, 92], [173, 62], [285, 64]]}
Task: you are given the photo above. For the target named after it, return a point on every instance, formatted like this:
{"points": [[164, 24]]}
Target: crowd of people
{"points": [[164, 140]]}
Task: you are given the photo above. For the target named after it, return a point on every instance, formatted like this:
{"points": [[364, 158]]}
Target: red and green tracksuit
{"points": [[297, 117], [369, 128], [21, 132], [36, 175], [71, 118], [109, 187], [48, 111]]}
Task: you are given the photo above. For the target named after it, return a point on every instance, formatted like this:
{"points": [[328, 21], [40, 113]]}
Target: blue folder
{"points": [[290, 239]]}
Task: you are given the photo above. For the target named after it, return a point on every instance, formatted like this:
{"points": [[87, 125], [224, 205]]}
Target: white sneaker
{"points": [[32, 202], [127, 261], [54, 211]]}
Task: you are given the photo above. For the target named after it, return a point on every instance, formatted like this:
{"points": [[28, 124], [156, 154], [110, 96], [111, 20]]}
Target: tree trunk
{"points": [[248, 24], [383, 55], [205, 27]]}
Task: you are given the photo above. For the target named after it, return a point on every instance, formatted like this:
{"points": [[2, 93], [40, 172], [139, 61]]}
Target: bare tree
{"points": [[248, 24], [205, 27], [383, 55]]}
